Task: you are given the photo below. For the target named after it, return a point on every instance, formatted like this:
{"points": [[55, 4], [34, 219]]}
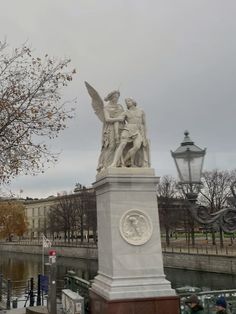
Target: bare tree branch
{"points": [[30, 109]]}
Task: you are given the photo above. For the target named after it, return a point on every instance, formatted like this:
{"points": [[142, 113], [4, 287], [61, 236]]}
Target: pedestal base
{"points": [[131, 288], [158, 305], [129, 243]]}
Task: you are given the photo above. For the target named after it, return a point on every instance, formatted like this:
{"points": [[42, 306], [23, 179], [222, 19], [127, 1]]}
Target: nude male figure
{"points": [[134, 132]]}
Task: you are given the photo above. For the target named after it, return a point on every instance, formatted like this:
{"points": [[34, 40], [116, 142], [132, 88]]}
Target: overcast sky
{"points": [[175, 57]]}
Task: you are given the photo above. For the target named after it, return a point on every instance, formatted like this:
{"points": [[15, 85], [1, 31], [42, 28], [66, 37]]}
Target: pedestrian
{"points": [[221, 306], [193, 303]]}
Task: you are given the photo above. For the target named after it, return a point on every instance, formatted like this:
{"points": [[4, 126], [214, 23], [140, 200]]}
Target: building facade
{"points": [[37, 213]]}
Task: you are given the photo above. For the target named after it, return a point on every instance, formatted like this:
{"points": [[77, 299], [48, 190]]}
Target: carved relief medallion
{"points": [[135, 227]]}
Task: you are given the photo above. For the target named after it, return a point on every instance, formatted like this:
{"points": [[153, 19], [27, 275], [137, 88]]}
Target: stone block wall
{"points": [[209, 263]]}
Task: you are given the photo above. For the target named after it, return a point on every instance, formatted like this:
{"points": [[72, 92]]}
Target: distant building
{"points": [[37, 210]]}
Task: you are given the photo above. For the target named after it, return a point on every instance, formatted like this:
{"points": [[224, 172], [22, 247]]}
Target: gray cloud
{"points": [[176, 58]]}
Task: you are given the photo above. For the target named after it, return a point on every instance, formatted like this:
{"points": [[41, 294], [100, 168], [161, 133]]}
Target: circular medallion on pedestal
{"points": [[135, 227]]}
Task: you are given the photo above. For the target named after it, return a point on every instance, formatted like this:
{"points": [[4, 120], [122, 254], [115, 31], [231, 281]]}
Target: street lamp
{"points": [[189, 163]]}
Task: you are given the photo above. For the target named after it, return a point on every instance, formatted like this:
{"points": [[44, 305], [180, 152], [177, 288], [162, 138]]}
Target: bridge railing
{"points": [[80, 286]]}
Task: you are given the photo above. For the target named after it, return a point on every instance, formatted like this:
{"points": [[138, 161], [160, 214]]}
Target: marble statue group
{"points": [[124, 139]]}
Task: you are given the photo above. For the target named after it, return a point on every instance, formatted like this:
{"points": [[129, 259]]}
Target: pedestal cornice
{"points": [[125, 176]]}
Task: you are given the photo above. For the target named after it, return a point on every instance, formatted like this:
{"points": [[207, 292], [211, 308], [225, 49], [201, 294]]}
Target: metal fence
{"points": [[200, 249], [175, 248], [38, 242], [54, 243]]}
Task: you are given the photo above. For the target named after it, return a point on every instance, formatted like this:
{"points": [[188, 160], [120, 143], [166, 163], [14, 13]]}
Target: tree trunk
{"points": [[88, 234], [188, 238], [95, 235], [221, 238], [167, 236], [192, 236], [82, 229], [69, 235], [213, 235], [191, 228]]}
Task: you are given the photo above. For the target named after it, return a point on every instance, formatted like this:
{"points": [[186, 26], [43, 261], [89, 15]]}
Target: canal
{"points": [[21, 267]]}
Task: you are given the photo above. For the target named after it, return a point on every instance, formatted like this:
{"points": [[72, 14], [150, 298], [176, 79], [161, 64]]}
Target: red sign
{"points": [[52, 253], [52, 256]]}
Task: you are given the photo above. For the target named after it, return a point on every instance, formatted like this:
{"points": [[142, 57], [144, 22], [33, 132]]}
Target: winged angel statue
{"points": [[124, 142]]}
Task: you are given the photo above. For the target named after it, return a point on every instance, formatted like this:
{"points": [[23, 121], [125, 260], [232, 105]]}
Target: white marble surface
{"points": [[124, 138], [125, 172], [126, 270]]}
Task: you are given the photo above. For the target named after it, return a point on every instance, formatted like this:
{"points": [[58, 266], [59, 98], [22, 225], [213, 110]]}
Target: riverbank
{"points": [[200, 262], [207, 258], [206, 261], [82, 252]]}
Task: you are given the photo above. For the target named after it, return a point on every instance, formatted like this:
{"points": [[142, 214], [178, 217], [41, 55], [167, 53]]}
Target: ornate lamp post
{"points": [[189, 162]]}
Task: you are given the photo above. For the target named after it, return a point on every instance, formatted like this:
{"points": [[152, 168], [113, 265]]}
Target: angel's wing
{"points": [[97, 102]]}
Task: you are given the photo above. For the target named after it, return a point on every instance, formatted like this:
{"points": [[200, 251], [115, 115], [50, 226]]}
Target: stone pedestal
{"points": [[130, 265]]}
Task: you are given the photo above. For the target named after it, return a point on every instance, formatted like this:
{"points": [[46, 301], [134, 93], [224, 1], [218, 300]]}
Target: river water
{"points": [[21, 267]]}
